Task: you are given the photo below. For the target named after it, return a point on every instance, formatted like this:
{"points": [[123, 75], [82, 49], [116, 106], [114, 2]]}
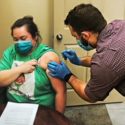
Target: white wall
{"points": [[11, 10]]}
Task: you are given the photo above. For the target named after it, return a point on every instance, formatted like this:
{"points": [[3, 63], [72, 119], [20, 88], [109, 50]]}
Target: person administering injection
{"points": [[87, 24]]}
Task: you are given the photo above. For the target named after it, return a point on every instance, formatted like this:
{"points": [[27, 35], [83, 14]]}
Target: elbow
{"points": [[4, 83], [95, 100], [89, 99], [92, 101]]}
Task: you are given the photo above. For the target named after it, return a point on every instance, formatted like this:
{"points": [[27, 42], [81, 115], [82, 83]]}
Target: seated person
{"points": [[23, 68]]}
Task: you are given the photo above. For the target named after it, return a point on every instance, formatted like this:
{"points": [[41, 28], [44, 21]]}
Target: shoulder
{"points": [[51, 56], [44, 48], [48, 56], [10, 51], [7, 58], [41, 50]]}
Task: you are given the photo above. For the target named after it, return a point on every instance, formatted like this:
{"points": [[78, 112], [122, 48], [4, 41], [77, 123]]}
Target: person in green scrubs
{"points": [[23, 68]]}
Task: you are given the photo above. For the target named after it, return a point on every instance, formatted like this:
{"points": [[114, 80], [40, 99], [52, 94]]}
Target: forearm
{"points": [[86, 61], [79, 87], [60, 102], [8, 76]]}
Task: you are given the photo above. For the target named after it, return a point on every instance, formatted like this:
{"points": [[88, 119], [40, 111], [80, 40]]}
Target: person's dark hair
{"points": [[31, 26], [85, 17]]}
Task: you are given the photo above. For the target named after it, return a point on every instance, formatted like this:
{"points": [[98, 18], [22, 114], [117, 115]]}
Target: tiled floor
{"points": [[100, 114]]}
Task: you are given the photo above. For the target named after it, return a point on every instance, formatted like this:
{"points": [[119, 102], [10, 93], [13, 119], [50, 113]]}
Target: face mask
{"points": [[84, 45], [23, 47]]}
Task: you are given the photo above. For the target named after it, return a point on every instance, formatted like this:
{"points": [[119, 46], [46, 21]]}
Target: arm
{"points": [[8, 76], [57, 84], [102, 80], [74, 59], [60, 89], [86, 61], [62, 71], [79, 87]]}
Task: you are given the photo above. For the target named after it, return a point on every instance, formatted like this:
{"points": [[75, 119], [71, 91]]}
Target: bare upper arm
{"points": [[46, 58], [57, 84]]}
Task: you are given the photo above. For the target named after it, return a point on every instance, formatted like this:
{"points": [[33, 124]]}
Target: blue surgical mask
{"points": [[23, 47], [84, 45]]}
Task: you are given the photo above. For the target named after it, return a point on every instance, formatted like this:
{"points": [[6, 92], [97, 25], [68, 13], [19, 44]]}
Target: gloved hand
{"points": [[60, 71], [71, 55]]}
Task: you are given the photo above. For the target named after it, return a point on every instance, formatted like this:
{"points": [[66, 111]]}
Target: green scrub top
{"points": [[37, 88]]}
